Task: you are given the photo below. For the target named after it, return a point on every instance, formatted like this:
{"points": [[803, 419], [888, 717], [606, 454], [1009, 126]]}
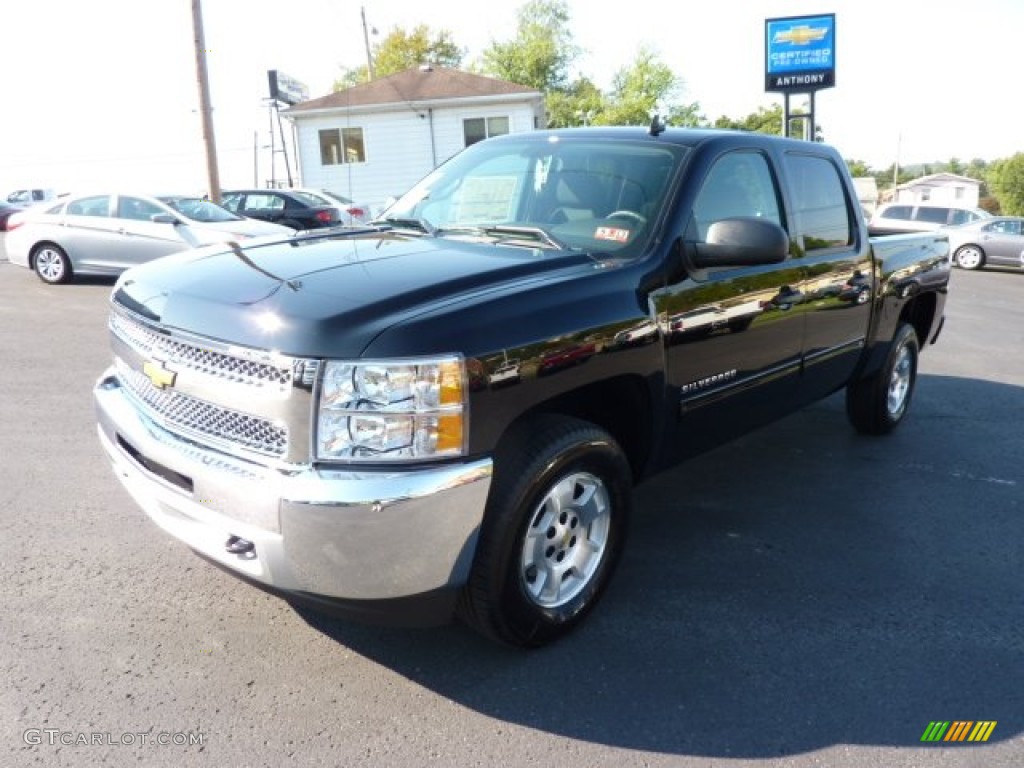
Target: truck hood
{"points": [[331, 295]]}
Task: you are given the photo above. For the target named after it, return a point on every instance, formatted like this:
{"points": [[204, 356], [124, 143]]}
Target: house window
{"points": [[344, 145], [958, 193], [926, 195], [479, 128]]}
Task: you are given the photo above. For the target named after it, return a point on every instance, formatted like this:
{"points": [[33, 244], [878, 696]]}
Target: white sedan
{"points": [[349, 213], [108, 233]]}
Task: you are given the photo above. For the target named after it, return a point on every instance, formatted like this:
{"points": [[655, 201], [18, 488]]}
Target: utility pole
{"points": [[896, 168], [212, 175], [366, 41]]}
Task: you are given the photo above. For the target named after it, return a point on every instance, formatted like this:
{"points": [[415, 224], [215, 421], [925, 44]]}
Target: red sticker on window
{"points": [[612, 233]]}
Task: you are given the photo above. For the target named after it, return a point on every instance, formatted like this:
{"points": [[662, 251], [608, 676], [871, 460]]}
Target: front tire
{"points": [[970, 257], [553, 531], [877, 405], [51, 264]]}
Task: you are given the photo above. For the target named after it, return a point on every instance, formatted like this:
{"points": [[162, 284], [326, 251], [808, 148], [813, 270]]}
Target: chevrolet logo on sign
{"points": [[801, 35], [159, 374]]}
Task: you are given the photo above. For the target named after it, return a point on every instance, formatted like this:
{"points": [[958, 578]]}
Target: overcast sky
{"points": [[104, 93]]}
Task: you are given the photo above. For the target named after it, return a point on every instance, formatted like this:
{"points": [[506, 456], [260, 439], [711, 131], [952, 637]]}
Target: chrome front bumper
{"points": [[338, 534]]}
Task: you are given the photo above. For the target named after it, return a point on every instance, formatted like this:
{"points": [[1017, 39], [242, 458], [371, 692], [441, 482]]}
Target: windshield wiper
{"points": [[506, 232], [403, 222]]}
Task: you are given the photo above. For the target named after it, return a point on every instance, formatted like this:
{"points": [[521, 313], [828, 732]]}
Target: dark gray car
{"points": [[998, 241]]}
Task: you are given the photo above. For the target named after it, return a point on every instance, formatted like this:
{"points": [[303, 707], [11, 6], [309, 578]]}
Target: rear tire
{"points": [[554, 528], [877, 405], [970, 257], [51, 264]]}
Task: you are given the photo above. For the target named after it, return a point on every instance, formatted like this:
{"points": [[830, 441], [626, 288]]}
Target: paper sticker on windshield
{"points": [[612, 233]]}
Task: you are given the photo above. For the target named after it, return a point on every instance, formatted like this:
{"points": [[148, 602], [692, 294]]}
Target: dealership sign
{"points": [[286, 89], [800, 53]]}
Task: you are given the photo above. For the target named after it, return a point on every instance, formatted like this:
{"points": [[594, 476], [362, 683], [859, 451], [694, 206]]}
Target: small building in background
{"points": [[375, 140], [940, 189], [867, 194]]}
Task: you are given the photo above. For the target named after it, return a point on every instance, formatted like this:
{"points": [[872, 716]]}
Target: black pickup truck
{"points": [[443, 413]]}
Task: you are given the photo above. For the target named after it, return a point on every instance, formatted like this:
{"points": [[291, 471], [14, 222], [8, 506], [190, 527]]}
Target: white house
{"points": [[867, 193], [375, 140], [940, 189]]}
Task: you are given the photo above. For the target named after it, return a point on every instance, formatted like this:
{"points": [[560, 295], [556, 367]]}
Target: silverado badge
{"points": [[158, 373]]}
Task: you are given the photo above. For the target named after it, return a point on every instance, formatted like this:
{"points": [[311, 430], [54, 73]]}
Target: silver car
{"points": [[349, 213], [997, 242], [108, 233]]}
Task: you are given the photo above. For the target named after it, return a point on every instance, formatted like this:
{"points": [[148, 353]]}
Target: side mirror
{"points": [[164, 218], [741, 242]]}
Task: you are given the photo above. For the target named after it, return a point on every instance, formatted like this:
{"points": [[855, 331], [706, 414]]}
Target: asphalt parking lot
{"points": [[802, 597]]}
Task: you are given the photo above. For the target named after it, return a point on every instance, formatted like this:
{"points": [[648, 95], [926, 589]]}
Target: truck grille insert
{"points": [[234, 368], [197, 419], [188, 415]]}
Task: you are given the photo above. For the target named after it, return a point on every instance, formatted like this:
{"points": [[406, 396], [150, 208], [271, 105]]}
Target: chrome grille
{"points": [[242, 368], [191, 416]]}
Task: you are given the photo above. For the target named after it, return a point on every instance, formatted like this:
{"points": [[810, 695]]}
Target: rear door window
{"points": [[137, 209], [264, 202], [961, 216], [932, 215], [822, 211], [898, 212], [90, 206]]}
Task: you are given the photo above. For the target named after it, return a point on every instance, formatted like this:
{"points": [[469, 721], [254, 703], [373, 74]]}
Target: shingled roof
{"points": [[416, 85]]}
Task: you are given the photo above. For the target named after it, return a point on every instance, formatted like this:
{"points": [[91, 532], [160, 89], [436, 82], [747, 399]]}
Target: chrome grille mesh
{"points": [[189, 415], [149, 343], [265, 381]]}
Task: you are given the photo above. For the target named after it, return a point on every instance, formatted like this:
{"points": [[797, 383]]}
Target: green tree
{"points": [[540, 54], [1007, 184], [579, 104], [954, 166], [858, 167], [764, 120], [644, 88], [977, 169], [401, 50]]}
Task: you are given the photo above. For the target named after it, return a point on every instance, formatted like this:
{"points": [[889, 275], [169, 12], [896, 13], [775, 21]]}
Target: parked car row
{"points": [[998, 241], [976, 237], [296, 208], [105, 234], [902, 217], [6, 211], [30, 196]]}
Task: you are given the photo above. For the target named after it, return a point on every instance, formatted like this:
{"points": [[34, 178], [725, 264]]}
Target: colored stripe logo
{"points": [[959, 730]]}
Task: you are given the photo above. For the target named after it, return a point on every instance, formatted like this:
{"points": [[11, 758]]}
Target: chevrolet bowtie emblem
{"points": [[801, 35], [159, 374]]}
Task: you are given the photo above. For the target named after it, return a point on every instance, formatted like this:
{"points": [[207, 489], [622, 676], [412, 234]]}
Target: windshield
{"points": [[586, 193], [198, 209]]}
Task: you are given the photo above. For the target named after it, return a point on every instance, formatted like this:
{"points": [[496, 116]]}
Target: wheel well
{"points": [[621, 406], [920, 313]]}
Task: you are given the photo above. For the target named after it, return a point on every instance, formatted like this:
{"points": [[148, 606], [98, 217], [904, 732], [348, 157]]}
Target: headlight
{"points": [[392, 410]]}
